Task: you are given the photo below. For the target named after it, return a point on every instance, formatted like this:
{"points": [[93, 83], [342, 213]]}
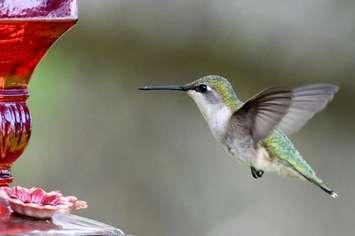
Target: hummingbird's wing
{"points": [[285, 108], [306, 102], [263, 112]]}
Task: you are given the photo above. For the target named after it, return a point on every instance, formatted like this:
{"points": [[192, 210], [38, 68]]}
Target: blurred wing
{"points": [[283, 108], [263, 112], [306, 102]]}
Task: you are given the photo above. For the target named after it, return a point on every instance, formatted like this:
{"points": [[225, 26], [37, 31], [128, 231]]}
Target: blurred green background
{"points": [[147, 162]]}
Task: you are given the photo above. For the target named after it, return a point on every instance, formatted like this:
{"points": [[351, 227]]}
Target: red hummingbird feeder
{"points": [[27, 29]]}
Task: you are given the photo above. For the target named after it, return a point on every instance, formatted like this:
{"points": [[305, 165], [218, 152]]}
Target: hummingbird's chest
{"points": [[240, 145], [217, 117], [239, 142]]}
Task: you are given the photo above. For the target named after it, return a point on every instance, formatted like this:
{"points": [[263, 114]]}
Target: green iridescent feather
{"points": [[281, 147], [224, 88]]}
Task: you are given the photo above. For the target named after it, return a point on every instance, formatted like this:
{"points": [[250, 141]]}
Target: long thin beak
{"points": [[166, 87]]}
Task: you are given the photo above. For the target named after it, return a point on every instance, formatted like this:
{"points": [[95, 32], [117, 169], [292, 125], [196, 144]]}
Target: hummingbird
{"points": [[255, 132]]}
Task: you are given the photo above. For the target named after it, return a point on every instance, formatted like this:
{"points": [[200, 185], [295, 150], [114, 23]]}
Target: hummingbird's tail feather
{"points": [[318, 182], [326, 189]]}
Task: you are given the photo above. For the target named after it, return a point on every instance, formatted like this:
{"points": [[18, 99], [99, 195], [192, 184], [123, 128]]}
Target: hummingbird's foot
{"points": [[260, 173], [256, 173]]}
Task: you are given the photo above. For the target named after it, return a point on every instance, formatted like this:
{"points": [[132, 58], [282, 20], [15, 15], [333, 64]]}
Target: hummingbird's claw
{"points": [[253, 172], [260, 173], [256, 173]]}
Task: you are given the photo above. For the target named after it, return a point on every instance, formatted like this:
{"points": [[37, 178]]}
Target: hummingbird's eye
{"points": [[202, 88]]}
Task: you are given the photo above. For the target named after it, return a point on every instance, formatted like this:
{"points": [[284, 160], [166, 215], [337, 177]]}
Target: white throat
{"points": [[217, 115]]}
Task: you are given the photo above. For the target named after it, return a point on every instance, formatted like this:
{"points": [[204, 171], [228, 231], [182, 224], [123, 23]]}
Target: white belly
{"points": [[261, 160]]}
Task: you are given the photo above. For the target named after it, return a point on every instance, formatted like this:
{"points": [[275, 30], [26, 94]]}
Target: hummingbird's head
{"points": [[206, 91], [213, 90]]}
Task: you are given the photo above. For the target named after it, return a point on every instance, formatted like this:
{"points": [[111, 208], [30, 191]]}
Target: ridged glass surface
{"points": [[60, 224]]}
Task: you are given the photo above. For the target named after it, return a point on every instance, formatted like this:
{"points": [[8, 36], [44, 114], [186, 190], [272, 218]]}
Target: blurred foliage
{"points": [[146, 162]]}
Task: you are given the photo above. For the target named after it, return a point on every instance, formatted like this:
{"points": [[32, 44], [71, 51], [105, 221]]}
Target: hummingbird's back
{"points": [[280, 146]]}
